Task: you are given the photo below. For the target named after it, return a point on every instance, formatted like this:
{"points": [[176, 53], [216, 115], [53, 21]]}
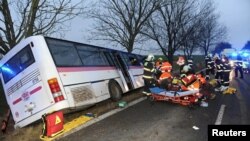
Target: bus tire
{"points": [[115, 90]]}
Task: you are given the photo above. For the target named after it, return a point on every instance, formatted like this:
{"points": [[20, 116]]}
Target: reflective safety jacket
{"points": [[219, 65], [209, 62], [226, 66], [190, 63], [188, 79], [238, 64], [166, 67], [148, 70], [165, 70], [165, 75]]}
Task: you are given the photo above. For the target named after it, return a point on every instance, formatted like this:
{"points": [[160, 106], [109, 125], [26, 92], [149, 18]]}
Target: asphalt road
{"points": [[164, 121]]}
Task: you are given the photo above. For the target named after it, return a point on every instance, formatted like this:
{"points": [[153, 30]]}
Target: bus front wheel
{"points": [[115, 90]]}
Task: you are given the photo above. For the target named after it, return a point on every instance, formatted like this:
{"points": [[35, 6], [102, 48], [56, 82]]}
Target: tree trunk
{"points": [[31, 18]]}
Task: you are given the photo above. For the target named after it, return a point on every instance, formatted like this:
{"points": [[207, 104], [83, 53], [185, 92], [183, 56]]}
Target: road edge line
{"points": [[220, 115]]}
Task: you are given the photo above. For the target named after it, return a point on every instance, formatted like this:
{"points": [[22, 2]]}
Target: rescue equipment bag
{"points": [[52, 124]]}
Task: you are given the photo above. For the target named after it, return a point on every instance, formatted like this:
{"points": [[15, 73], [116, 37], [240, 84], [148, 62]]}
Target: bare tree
{"points": [[33, 17], [191, 42], [171, 25], [120, 21], [212, 33], [182, 24]]}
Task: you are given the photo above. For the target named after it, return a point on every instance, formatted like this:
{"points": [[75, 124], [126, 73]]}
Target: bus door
{"points": [[123, 70]]}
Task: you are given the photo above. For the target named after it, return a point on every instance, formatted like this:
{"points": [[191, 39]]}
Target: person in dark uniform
{"points": [[148, 74], [219, 70], [209, 62], [238, 67], [226, 71], [191, 64]]}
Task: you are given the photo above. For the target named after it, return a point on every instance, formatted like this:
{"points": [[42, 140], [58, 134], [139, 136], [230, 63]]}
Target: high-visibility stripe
{"points": [[148, 77], [146, 69], [166, 67]]}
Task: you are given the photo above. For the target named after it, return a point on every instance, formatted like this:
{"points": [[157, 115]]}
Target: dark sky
{"points": [[235, 15]]}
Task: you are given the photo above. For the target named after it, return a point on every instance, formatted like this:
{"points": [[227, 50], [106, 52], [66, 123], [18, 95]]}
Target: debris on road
{"points": [[122, 104], [196, 128]]}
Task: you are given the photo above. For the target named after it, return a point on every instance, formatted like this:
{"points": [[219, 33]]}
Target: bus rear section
{"points": [[28, 90]]}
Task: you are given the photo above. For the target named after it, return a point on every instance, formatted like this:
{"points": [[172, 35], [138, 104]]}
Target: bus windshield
{"points": [[17, 64]]}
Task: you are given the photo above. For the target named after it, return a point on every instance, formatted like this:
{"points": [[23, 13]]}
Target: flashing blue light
{"points": [[7, 70], [234, 54], [245, 54]]}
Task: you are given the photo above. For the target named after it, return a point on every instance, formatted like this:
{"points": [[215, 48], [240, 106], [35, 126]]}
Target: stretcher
{"points": [[186, 98]]}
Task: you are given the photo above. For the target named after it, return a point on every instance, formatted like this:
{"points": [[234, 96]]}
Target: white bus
{"points": [[42, 74]]}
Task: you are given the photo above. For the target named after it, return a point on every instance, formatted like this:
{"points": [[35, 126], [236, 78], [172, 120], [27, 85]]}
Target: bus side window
{"points": [[134, 61], [92, 56], [125, 59], [64, 54]]}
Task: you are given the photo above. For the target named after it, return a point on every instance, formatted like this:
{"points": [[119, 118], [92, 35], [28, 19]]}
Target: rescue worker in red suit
{"points": [[165, 77], [187, 78], [148, 74]]}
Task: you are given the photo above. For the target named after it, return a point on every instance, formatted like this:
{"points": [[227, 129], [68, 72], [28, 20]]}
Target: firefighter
{"points": [[219, 71], [209, 65], [238, 67], [226, 70], [158, 65], [191, 64], [148, 74]]}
